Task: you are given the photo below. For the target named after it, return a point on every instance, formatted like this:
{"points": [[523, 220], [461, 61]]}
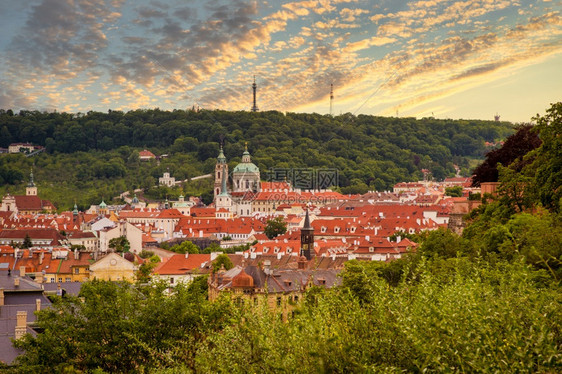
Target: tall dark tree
{"points": [[513, 150]]}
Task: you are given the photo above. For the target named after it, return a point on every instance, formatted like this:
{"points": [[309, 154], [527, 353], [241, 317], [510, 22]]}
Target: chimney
{"points": [[22, 271], [16, 281], [41, 256], [1, 296], [76, 254], [37, 304], [267, 267], [186, 255], [21, 324]]}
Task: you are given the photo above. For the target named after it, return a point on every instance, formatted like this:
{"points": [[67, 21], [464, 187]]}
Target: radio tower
{"points": [[255, 107], [331, 96]]}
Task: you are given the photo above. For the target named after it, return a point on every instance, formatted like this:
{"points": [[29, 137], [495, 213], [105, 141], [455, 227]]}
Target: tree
{"points": [[26, 242], [513, 150], [455, 191], [120, 244], [119, 327], [222, 260], [144, 274], [186, 247], [275, 227], [546, 167]]}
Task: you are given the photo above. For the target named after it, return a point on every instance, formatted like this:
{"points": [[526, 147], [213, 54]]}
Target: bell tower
{"points": [[31, 189], [307, 239], [221, 169]]}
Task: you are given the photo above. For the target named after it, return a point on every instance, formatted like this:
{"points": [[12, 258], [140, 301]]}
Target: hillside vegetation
{"points": [[97, 153]]}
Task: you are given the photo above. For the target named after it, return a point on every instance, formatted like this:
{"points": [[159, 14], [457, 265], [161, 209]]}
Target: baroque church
{"points": [[244, 185], [30, 203]]}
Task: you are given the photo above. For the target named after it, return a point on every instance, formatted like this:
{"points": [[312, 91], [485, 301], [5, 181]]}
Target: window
{"points": [[171, 280], [77, 271], [52, 280], [67, 279], [279, 301]]}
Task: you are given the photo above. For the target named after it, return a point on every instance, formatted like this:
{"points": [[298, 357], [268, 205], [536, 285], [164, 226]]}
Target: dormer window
{"points": [[336, 229], [323, 229], [353, 229], [371, 249]]}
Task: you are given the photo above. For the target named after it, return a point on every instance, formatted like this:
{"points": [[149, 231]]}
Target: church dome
{"points": [[242, 280], [244, 167]]}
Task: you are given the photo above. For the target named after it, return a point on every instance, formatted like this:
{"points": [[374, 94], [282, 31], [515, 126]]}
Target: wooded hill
{"points": [[97, 153]]}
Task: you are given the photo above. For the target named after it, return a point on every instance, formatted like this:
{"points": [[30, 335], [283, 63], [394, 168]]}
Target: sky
{"points": [[448, 59]]}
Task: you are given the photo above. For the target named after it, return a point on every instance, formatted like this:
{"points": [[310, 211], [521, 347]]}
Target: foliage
{"points": [[144, 273], [479, 319], [275, 227], [512, 151], [186, 247], [26, 242], [120, 244], [146, 254], [119, 327], [455, 191], [222, 260], [546, 168]]}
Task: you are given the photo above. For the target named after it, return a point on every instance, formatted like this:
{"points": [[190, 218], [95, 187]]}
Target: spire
{"points": [[307, 221], [75, 211], [254, 87], [246, 155], [224, 191], [31, 184], [307, 238], [221, 159]]}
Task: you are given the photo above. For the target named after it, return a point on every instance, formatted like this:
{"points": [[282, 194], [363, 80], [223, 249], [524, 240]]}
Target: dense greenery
{"points": [[275, 227], [97, 153]]}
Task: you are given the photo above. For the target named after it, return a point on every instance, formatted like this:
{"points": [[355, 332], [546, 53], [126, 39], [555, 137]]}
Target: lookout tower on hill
{"points": [[254, 87]]}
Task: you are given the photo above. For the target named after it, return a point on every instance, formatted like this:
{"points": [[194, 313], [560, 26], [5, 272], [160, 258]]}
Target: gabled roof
{"points": [[179, 264]]}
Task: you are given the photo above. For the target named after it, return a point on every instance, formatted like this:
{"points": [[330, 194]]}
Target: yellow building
{"points": [[113, 267]]}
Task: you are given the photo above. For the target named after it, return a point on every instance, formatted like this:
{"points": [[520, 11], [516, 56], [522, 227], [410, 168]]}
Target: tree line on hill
{"points": [[486, 301], [99, 151]]}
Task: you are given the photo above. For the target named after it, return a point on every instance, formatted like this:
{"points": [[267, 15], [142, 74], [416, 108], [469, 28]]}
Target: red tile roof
{"points": [[179, 264]]}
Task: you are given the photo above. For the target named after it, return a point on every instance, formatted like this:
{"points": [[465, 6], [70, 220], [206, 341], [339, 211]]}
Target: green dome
{"points": [[103, 204], [246, 168]]}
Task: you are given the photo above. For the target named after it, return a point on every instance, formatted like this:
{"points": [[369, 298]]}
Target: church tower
{"points": [[307, 239], [254, 87], [223, 200], [31, 189], [221, 169]]}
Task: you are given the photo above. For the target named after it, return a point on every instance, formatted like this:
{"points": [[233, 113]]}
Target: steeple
{"points": [[307, 238], [254, 87], [31, 184], [221, 169], [246, 155], [31, 189], [224, 191], [221, 159], [75, 211]]}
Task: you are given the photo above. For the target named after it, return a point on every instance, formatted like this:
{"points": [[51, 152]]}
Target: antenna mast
{"points": [[254, 86]]}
